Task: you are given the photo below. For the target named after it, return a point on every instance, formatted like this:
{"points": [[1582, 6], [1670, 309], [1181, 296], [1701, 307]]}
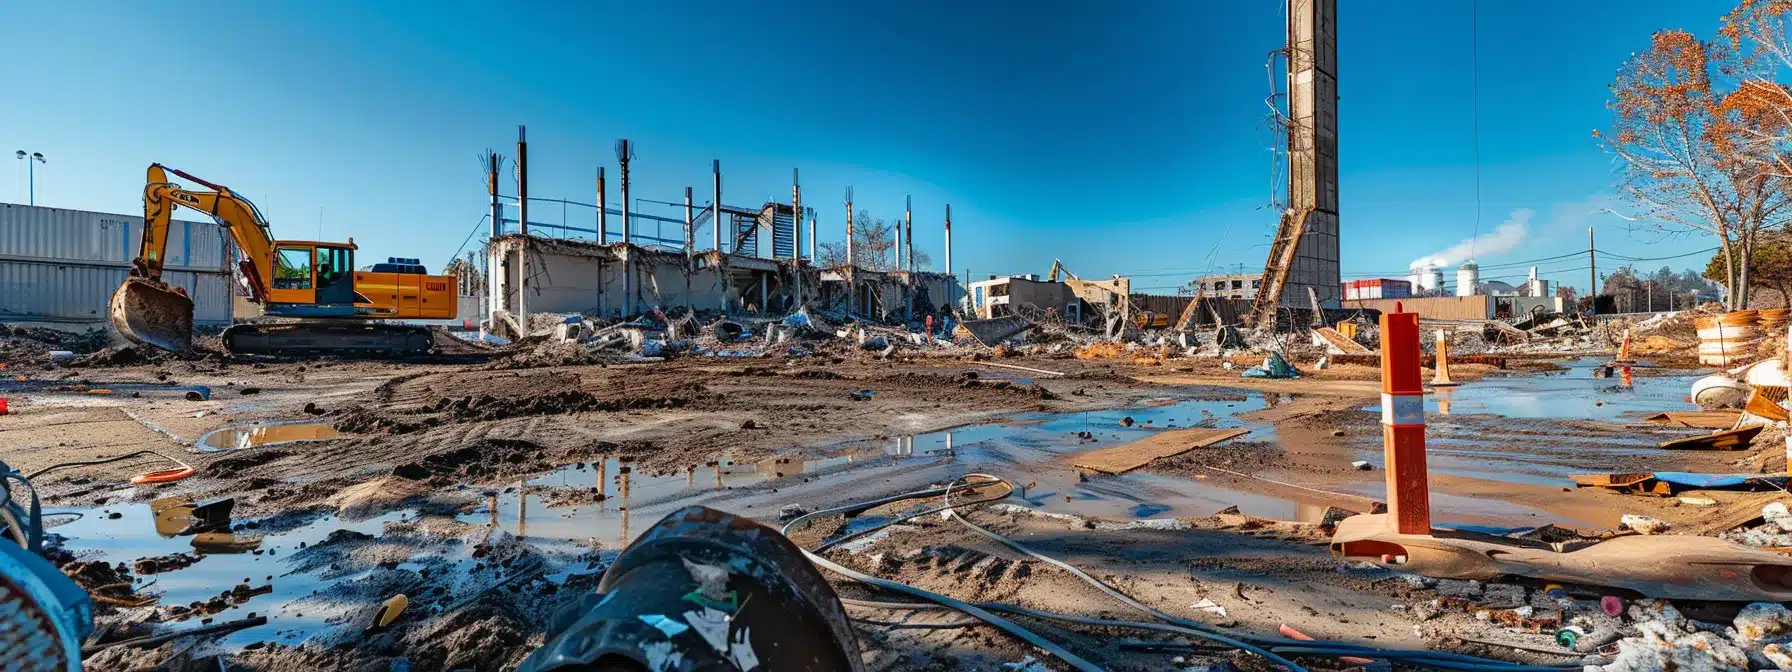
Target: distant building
{"points": [[1243, 286], [1379, 288]]}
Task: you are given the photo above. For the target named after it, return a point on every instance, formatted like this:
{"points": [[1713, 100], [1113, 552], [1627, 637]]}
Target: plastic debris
{"points": [[1210, 607]]}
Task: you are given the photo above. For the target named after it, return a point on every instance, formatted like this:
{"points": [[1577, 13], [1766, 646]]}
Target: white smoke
{"points": [[1502, 239]]}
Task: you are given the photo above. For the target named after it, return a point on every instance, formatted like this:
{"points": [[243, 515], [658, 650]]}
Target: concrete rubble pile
{"points": [[1759, 638]]}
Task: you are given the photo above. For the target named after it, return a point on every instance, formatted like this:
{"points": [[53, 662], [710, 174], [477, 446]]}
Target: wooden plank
{"points": [[1722, 419], [1127, 457], [1732, 439]]}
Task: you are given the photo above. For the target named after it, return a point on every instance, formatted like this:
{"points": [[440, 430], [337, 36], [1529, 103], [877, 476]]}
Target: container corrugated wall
{"points": [[55, 234], [60, 265], [1434, 307]]}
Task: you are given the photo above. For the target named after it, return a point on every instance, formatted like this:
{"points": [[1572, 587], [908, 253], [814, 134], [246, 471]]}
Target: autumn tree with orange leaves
{"points": [[1700, 127]]}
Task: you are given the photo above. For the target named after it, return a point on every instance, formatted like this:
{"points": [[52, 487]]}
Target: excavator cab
{"points": [[312, 279]]}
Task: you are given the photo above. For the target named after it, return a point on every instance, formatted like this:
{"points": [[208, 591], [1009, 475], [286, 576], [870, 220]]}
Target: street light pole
{"points": [[31, 173]]}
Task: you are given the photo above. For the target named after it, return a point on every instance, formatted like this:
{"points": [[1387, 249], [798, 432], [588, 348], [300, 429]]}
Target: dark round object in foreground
{"points": [[703, 590]]}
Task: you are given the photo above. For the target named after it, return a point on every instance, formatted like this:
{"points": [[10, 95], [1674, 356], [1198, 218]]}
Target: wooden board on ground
{"points": [[1721, 419], [1744, 510], [1732, 439], [1127, 457]]}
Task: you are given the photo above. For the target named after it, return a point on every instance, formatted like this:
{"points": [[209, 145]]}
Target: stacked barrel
{"points": [[1730, 337]]}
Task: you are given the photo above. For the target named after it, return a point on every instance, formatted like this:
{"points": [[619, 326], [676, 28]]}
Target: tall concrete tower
{"points": [[1313, 147]]}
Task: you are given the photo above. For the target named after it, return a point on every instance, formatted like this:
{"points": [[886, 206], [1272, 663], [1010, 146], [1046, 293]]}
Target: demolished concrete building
{"points": [[575, 276]]}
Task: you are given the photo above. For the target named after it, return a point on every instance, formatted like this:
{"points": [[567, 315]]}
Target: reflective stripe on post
{"points": [[1403, 423]]}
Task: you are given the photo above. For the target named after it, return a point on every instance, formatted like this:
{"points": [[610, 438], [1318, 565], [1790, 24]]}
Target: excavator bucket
{"points": [[153, 315]]}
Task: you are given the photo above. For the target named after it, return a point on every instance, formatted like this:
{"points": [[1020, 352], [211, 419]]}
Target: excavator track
{"points": [[350, 338]]}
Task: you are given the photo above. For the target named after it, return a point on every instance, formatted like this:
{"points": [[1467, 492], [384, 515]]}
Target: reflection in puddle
{"points": [[578, 503], [1581, 392], [227, 559], [233, 438]]}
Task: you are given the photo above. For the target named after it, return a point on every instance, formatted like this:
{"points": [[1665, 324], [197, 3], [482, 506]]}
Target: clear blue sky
{"points": [[1122, 137]]}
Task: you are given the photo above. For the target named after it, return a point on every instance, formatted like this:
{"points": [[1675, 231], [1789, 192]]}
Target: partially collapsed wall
{"points": [[621, 280]]}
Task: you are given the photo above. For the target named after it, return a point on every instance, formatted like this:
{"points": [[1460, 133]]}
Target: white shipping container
{"points": [[61, 266], [37, 233], [47, 291]]}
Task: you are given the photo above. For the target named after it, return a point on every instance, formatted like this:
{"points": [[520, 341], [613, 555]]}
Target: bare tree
{"points": [[873, 246], [1693, 159]]}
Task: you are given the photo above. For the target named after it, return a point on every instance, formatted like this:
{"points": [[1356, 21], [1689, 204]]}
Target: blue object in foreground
{"points": [[1708, 481]]}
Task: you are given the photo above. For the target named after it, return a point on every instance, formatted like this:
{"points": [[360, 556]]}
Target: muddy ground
{"points": [[491, 491]]}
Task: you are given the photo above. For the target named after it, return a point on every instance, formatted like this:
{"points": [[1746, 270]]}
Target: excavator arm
{"points": [[147, 310]]}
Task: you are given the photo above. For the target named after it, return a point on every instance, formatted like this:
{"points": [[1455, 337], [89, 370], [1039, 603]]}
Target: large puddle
{"points": [[255, 436], [1574, 393], [230, 559], [605, 503]]}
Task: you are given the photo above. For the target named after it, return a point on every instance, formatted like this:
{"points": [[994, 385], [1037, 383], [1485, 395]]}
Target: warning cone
{"points": [[1624, 348], [1442, 377]]}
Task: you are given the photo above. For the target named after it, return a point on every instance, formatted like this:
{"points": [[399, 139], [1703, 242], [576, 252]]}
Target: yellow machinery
{"points": [[317, 302]]}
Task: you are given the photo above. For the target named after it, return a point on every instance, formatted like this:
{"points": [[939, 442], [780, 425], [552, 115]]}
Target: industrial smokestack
{"points": [[1468, 279]]}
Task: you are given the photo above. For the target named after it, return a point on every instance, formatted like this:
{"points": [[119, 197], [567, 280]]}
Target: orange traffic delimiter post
{"points": [[1403, 423]]}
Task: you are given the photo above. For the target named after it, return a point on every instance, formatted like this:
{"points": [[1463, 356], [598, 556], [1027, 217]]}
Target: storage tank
{"points": [[1468, 279]]}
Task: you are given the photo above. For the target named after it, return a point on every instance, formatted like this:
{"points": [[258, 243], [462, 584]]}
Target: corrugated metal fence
{"points": [[1434, 307], [60, 265]]}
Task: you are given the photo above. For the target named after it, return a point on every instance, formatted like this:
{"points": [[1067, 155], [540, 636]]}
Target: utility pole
{"points": [[603, 214], [796, 232], [522, 219], [852, 293], [1649, 288], [1592, 276], [814, 257]]}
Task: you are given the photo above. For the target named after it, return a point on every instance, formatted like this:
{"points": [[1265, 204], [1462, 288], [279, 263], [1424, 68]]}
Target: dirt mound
{"points": [[25, 343], [237, 464], [488, 407]]}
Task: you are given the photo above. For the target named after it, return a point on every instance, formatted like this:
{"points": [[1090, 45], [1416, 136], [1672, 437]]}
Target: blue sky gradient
{"points": [[1122, 137]]}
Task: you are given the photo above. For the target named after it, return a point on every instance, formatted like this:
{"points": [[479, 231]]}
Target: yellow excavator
{"points": [[314, 299]]}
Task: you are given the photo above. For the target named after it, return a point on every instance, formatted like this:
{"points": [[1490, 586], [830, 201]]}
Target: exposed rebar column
{"points": [[949, 277], [796, 233], [715, 220], [715, 223], [908, 267], [852, 293], [624, 152], [690, 250], [603, 216], [494, 259], [522, 219]]}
